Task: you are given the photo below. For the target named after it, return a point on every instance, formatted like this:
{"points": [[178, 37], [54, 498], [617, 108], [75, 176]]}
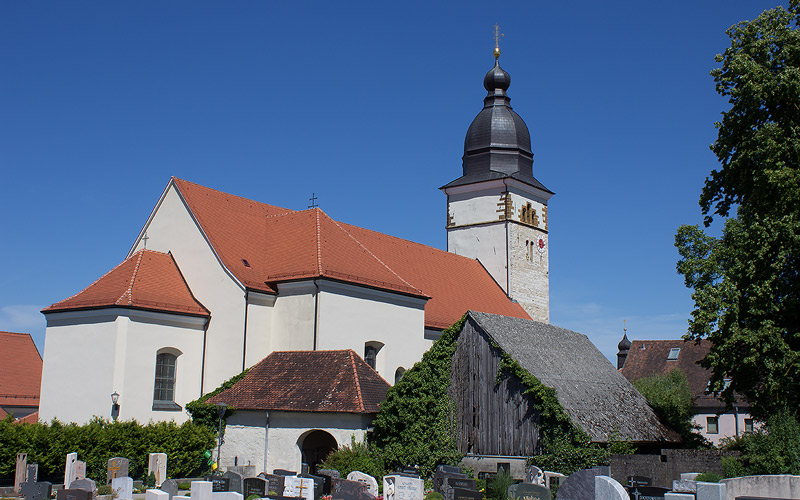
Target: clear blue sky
{"points": [[365, 104]]}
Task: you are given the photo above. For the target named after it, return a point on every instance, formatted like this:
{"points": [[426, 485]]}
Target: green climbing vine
{"points": [[206, 414]]}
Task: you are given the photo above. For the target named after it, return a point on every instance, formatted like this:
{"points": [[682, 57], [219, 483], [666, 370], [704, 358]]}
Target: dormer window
{"points": [[673, 353]]}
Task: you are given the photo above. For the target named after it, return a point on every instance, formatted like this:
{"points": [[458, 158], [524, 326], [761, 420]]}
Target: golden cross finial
{"points": [[497, 36]]}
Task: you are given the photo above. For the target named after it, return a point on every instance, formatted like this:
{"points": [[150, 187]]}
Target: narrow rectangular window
{"points": [[712, 425], [748, 425], [165, 377]]}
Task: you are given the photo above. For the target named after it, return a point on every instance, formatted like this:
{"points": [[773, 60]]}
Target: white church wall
{"points": [[351, 316], [475, 203], [171, 228], [293, 317], [260, 307], [245, 439], [119, 347], [487, 243]]}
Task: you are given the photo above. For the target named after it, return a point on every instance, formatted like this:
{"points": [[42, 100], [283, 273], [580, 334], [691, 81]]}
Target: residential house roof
{"points": [[21, 373], [594, 394], [309, 381], [146, 280]]}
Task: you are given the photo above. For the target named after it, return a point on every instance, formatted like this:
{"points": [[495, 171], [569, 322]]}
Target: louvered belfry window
{"points": [[165, 377]]}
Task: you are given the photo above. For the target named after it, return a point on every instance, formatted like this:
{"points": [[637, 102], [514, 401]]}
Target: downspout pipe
{"points": [[244, 334], [266, 438], [316, 312], [203, 359]]}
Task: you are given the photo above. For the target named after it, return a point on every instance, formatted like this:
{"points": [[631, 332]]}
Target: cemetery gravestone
{"points": [[284, 472], [637, 481], [20, 474], [201, 490], [123, 487], [117, 467], [34, 490], [219, 483], [170, 487], [534, 475], [319, 484], [69, 469], [528, 491], [254, 486], [70, 494], [234, 481], [350, 490], [711, 491], [274, 484], [294, 486], [402, 488], [414, 471], [684, 486], [580, 485], [648, 492], [440, 479], [464, 494], [157, 465], [608, 488], [457, 482], [227, 495], [84, 484], [80, 470], [450, 469], [369, 481], [328, 475], [156, 495]]}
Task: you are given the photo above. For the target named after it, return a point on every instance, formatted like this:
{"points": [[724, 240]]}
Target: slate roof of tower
{"points": [[649, 357], [282, 245], [310, 381], [20, 370], [146, 280], [596, 396]]}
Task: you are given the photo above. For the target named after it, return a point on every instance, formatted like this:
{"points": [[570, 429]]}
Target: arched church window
{"points": [[373, 355], [398, 374], [164, 385], [370, 355]]}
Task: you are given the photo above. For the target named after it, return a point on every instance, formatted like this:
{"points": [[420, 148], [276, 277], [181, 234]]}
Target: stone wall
{"points": [[668, 466]]}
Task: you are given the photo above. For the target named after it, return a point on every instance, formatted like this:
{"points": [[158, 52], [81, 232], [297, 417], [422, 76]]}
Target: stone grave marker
{"points": [[69, 469], [170, 487], [413, 471], [638, 481], [274, 484], [684, 486], [123, 486], [234, 481], [403, 488], [157, 464], [219, 483], [528, 491], [319, 484], [294, 486], [648, 492], [201, 490], [284, 472], [32, 489], [440, 479], [254, 486], [84, 484], [369, 481], [711, 491], [70, 494], [328, 475], [350, 490], [465, 494], [244, 470], [608, 488], [117, 467], [463, 483], [534, 475], [450, 469], [80, 470], [20, 473], [580, 484], [227, 495], [155, 495]]}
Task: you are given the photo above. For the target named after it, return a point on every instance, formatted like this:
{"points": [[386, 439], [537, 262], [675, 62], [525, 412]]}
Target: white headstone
{"points": [[711, 491], [227, 495], [123, 486], [369, 481], [684, 486], [689, 475], [678, 496], [21, 473], [775, 486], [607, 488], [201, 490], [298, 487], [156, 495], [80, 470], [157, 464], [403, 488], [69, 469]]}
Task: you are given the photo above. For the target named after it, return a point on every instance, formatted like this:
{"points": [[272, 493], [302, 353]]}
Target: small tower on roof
{"points": [[624, 347], [497, 209]]}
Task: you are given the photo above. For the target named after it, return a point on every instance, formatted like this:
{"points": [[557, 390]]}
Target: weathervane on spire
{"points": [[497, 36]]}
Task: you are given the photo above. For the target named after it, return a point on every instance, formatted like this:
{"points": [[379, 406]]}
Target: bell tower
{"points": [[497, 210]]}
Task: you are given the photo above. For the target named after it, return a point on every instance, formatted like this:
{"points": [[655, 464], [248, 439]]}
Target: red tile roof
{"points": [[29, 419], [284, 245], [146, 280], [20, 370], [649, 357], [311, 381]]}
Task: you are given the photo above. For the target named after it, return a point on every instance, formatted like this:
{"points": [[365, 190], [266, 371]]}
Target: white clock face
{"points": [[541, 245]]}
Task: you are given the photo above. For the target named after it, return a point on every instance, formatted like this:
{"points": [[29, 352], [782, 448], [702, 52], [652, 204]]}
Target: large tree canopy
{"points": [[747, 281]]}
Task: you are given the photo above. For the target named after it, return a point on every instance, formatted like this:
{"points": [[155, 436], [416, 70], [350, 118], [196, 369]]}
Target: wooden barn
{"points": [[495, 418]]}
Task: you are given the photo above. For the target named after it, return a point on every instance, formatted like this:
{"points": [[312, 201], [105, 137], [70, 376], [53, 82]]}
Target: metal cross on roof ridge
{"points": [[313, 201]]}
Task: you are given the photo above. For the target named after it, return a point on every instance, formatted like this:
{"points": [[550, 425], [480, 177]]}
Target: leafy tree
{"points": [[671, 397], [746, 282], [773, 449], [358, 456]]}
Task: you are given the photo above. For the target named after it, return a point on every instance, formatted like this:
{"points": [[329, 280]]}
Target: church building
{"points": [[215, 283]]}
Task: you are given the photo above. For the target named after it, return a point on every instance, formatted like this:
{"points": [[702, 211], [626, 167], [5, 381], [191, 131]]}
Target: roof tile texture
{"points": [[20, 370], [146, 280], [312, 381]]}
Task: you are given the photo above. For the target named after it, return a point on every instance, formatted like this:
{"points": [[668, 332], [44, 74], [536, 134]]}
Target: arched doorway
{"points": [[315, 446]]}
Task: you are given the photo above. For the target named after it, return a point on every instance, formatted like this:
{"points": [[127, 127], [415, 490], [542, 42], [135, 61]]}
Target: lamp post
{"points": [[114, 406], [221, 409]]}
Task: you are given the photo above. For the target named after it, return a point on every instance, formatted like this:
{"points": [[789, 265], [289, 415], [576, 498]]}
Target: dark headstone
{"points": [[635, 481], [464, 494], [84, 484], [117, 467], [234, 481], [463, 483], [170, 486], [329, 472], [580, 485], [219, 483], [327, 475], [319, 484], [284, 472], [645, 492], [35, 490], [304, 469], [281, 497], [70, 494], [350, 490], [441, 476], [411, 471], [528, 491], [450, 469], [254, 486], [274, 484]]}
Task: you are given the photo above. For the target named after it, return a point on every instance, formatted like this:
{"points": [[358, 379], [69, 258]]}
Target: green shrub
{"points": [[708, 477], [104, 489], [206, 414], [773, 449], [671, 398], [358, 456], [497, 487], [434, 495]]}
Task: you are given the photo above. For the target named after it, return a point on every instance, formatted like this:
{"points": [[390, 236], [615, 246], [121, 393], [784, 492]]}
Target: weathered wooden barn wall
{"points": [[491, 418]]}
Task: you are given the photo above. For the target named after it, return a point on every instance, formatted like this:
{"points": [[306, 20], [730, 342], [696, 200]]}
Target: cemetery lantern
{"points": [[114, 406], [221, 409]]}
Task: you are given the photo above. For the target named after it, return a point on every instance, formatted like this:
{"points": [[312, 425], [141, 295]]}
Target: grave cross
{"points": [[34, 490]]}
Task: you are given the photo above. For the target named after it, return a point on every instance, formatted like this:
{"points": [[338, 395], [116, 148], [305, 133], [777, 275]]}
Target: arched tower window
{"points": [[373, 355], [166, 375]]}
